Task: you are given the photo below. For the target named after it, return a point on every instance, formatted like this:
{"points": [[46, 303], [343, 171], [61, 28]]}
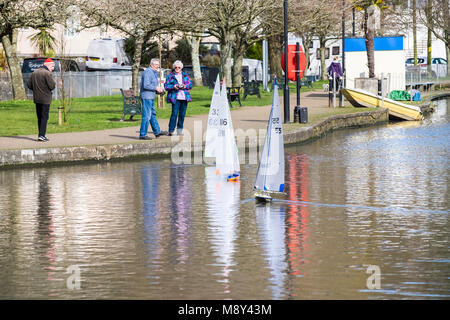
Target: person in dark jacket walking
{"points": [[42, 83]]}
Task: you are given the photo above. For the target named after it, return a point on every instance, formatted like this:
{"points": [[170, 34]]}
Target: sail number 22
{"points": [[277, 121]]}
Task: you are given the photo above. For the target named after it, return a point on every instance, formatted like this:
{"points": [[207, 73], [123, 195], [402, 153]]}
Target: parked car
{"points": [[438, 67], [31, 64], [107, 54]]}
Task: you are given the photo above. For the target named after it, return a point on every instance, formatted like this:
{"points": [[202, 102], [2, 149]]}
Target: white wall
{"points": [[391, 62]]}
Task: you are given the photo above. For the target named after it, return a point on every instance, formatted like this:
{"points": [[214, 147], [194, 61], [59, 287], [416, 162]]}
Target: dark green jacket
{"points": [[42, 84]]}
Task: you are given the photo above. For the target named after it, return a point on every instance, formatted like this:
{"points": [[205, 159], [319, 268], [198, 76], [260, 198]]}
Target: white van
{"points": [[106, 54]]}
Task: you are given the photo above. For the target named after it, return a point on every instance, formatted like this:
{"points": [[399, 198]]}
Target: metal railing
{"points": [[76, 84], [419, 74]]}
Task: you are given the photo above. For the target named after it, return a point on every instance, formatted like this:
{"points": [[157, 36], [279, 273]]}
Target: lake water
{"points": [[366, 217]]}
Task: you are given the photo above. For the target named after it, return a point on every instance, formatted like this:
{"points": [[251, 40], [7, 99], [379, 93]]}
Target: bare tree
{"points": [[320, 18], [137, 19], [275, 39], [226, 20], [251, 32], [435, 17], [16, 14], [370, 9], [194, 41]]}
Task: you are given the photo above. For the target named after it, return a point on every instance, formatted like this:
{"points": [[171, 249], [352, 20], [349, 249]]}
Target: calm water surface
{"points": [[155, 230]]}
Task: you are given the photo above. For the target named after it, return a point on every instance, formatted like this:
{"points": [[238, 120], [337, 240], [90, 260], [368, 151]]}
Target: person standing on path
{"points": [[149, 88], [178, 85], [42, 83], [334, 78]]}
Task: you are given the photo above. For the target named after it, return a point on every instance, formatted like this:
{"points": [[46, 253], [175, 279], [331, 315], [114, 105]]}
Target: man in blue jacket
{"points": [[149, 88]]}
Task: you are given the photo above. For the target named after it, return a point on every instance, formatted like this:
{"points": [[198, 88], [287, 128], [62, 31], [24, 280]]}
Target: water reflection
{"points": [[180, 199], [297, 217], [271, 224], [45, 225], [441, 113], [284, 229], [223, 209], [150, 179], [154, 230]]}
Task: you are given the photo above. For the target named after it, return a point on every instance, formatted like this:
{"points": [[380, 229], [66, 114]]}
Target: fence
{"points": [[76, 84], [88, 84], [6, 92], [418, 74]]}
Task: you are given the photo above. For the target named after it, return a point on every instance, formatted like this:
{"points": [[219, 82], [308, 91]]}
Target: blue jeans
{"points": [[178, 111], [148, 115]]}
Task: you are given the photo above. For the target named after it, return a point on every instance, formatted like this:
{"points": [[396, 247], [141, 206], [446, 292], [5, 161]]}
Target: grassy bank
{"points": [[316, 118], [98, 113]]}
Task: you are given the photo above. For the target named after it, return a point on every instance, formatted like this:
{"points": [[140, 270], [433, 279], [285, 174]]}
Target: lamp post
{"points": [[341, 98], [286, 70], [353, 22]]}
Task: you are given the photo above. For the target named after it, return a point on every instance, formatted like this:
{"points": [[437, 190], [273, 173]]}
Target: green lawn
{"points": [[98, 113]]}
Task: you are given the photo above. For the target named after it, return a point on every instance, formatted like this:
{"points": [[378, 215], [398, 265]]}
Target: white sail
{"points": [[270, 176], [213, 122], [227, 158]]}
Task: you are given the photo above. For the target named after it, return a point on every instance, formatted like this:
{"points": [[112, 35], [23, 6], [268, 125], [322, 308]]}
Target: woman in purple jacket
{"points": [[178, 85]]}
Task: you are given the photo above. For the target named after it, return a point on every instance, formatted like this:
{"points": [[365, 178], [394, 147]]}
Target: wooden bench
{"points": [[131, 104], [307, 81], [234, 94], [251, 88]]}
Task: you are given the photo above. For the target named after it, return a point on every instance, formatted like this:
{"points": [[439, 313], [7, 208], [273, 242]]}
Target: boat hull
{"points": [[267, 196], [361, 98]]}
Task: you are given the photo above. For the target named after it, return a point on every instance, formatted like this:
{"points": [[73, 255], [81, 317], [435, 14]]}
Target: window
{"points": [[327, 53], [335, 51]]}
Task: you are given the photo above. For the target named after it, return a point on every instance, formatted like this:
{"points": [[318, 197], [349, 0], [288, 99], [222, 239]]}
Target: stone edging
{"points": [[427, 106], [15, 158]]}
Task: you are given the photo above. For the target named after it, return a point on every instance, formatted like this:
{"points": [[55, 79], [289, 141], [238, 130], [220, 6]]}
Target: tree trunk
{"points": [[323, 66], [195, 45], [447, 34], [225, 57], [237, 70], [447, 51], [429, 36], [306, 41], [10, 45], [414, 29], [275, 48], [136, 64], [369, 36]]}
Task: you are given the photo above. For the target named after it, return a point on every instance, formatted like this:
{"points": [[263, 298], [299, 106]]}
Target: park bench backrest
{"points": [[131, 103]]}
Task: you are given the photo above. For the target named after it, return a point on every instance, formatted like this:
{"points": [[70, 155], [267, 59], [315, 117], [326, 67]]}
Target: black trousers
{"points": [[42, 117]]}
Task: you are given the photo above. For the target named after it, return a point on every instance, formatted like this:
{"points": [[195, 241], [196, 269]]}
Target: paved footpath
{"points": [[243, 118]]}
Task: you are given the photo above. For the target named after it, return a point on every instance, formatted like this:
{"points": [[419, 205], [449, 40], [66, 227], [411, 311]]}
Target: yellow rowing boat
{"points": [[361, 98]]}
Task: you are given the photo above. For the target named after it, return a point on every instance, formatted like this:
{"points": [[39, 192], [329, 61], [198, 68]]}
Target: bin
{"points": [[303, 114]]}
